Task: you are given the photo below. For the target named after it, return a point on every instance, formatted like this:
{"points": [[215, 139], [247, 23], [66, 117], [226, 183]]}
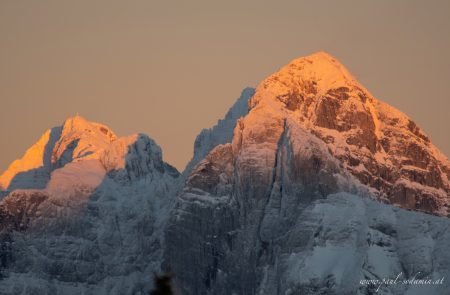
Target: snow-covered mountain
{"points": [[293, 204], [84, 213], [308, 185], [222, 132], [75, 140]]}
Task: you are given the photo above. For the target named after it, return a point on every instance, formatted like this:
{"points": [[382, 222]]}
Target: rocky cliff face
{"points": [[96, 225], [222, 132], [75, 140], [307, 186], [379, 145], [257, 213]]}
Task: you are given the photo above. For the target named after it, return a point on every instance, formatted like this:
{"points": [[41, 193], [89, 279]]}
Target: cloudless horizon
{"points": [[169, 69]]}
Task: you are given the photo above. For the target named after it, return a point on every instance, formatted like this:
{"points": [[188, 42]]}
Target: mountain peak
{"points": [[78, 123], [320, 67], [77, 138], [318, 55], [311, 77], [379, 145]]}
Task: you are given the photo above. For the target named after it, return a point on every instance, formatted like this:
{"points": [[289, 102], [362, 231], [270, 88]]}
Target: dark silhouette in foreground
{"points": [[163, 285]]}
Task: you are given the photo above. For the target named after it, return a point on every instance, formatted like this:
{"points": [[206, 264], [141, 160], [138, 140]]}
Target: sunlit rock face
{"points": [[376, 143], [308, 185], [34, 168], [84, 211], [94, 226], [75, 140], [302, 179]]}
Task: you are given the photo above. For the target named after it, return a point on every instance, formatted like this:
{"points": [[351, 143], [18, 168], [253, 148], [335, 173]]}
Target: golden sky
{"points": [[171, 68]]}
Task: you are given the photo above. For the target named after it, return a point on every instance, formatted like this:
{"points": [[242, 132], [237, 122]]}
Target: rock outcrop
{"points": [[222, 132], [96, 226], [309, 185], [293, 205]]}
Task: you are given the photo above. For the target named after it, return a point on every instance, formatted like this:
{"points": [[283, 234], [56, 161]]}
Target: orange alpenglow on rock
{"points": [[281, 196], [376, 143]]}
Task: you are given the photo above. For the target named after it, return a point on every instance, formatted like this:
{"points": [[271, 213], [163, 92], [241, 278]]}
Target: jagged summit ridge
{"points": [[74, 139], [78, 140], [378, 144], [101, 200], [222, 132], [281, 204], [319, 71], [292, 204]]}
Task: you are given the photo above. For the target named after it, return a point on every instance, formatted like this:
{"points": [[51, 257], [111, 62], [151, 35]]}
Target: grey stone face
{"points": [[294, 204], [308, 186]]}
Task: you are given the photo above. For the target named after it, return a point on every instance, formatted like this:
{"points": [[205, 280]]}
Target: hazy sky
{"points": [[171, 68]]}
